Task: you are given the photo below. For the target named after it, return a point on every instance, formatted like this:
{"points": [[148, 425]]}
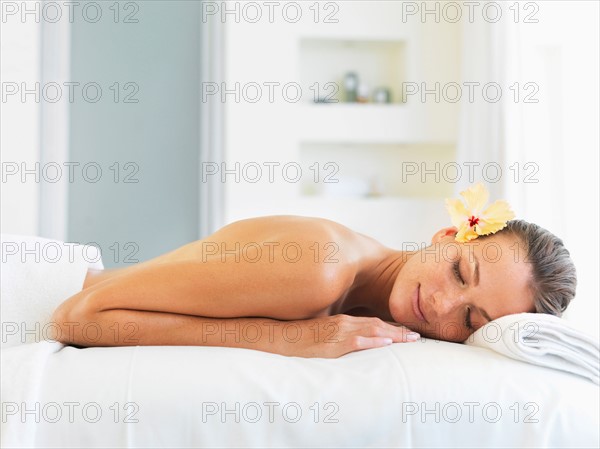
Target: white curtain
{"points": [[543, 132], [480, 136], [517, 136]]}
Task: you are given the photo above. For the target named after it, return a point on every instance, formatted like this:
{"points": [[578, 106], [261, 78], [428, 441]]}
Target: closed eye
{"points": [[455, 268], [468, 323]]}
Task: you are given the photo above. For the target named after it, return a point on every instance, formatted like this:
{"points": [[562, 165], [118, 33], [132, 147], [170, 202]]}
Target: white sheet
{"points": [[22, 376], [380, 398]]}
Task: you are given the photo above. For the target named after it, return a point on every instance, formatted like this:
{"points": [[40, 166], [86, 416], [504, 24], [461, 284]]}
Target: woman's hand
{"points": [[334, 336]]}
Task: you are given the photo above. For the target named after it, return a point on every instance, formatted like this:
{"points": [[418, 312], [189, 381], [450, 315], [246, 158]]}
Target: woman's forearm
{"points": [[328, 337], [78, 321], [143, 328]]}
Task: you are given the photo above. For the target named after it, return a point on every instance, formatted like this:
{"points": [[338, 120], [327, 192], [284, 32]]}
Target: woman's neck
{"points": [[374, 283]]}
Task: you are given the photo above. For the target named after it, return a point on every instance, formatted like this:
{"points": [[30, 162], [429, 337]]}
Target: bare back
{"points": [[289, 266]]}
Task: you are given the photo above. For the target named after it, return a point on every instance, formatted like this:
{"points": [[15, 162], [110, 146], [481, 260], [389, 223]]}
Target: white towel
{"points": [[541, 339], [37, 275]]}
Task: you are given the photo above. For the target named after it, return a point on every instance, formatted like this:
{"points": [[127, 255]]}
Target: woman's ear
{"points": [[445, 232]]}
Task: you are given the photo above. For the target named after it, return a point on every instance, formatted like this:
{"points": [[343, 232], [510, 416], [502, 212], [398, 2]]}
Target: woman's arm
{"points": [[243, 270], [174, 302], [327, 337], [187, 303], [217, 289], [168, 303]]}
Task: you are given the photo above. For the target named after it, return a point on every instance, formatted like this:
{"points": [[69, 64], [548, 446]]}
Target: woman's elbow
{"points": [[72, 319]]}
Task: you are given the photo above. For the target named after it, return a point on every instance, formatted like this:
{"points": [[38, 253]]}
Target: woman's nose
{"points": [[446, 303]]}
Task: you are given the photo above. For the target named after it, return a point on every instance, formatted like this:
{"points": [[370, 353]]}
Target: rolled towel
{"points": [[541, 339], [38, 274]]}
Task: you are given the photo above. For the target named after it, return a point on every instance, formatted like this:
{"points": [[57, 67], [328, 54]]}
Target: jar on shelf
{"points": [[362, 95], [382, 95], [351, 86]]}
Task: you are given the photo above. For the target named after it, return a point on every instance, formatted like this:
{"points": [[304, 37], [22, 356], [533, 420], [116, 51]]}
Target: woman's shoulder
{"points": [[336, 249], [285, 220], [287, 227]]}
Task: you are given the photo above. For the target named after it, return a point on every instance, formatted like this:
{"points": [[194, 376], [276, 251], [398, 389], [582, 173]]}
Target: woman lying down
{"points": [[311, 287]]}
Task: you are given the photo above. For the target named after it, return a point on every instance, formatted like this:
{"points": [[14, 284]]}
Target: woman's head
{"points": [[459, 287], [554, 279]]}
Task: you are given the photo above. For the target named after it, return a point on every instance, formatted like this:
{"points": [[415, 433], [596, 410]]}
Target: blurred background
{"points": [[139, 126]]}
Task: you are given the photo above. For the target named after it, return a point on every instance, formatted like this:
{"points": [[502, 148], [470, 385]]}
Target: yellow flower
{"points": [[471, 220]]}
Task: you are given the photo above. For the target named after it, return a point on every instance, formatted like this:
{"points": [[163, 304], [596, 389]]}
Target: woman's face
{"points": [[449, 290]]}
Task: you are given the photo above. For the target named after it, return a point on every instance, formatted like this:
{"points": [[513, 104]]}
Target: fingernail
{"points": [[387, 341], [412, 336]]}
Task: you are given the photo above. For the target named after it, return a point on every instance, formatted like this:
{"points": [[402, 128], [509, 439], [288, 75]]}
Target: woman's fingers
{"points": [[383, 338], [407, 335], [359, 343], [411, 336], [359, 333], [377, 328]]}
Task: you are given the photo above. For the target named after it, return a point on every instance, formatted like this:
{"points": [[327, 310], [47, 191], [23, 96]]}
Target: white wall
{"points": [[560, 135], [20, 125], [346, 134]]}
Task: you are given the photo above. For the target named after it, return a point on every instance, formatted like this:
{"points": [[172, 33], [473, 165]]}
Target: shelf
{"points": [[355, 169], [377, 63], [370, 122]]}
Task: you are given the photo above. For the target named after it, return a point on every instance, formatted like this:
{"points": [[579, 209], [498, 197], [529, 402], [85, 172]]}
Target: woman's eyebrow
{"points": [[475, 274], [475, 277]]}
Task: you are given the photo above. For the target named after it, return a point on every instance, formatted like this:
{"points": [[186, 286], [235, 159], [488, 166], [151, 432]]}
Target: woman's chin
{"points": [[399, 314]]}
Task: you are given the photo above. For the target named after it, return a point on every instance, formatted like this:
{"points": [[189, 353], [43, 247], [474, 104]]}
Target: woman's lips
{"points": [[416, 304]]}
